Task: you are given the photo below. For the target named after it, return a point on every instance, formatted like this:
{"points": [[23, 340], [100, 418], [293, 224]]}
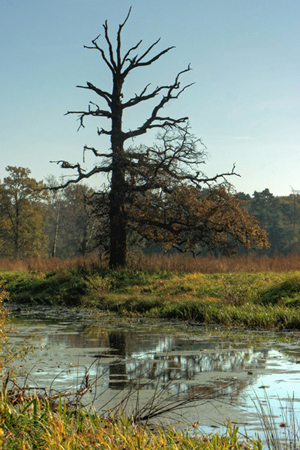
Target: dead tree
{"points": [[138, 174], [115, 161]]}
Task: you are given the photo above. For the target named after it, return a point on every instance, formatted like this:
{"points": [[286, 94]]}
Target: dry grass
{"points": [[157, 262], [211, 264], [48, 264]]}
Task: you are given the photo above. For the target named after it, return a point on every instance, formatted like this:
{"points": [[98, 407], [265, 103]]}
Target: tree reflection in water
{"points": [[183, 364], [118, 378], [144, 359]]}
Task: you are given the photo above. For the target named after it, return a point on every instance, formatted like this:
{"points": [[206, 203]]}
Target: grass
{"points": [[254, 300], [250, 263], [35, 426], [37, 288]]}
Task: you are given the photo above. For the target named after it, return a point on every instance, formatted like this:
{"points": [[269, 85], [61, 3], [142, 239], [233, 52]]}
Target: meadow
{"points": [[249, 291]]}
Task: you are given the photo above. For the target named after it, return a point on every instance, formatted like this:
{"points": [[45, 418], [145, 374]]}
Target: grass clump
{"points": [[287, 291], [54, 288], [35, 426]]}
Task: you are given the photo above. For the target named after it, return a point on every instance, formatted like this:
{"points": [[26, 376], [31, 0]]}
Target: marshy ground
{"points": [[245, 297]]}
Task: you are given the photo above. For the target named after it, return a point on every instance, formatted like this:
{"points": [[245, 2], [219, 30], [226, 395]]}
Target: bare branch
{"points": [[96, 153], [80, 173], [142, 97], [91, 112], [119, 38], [149, 50], [111, 52], [67, 165], [167, 122], [106, 95], [102, 131], [96, 47], [129, 51], [162, 121], [216, 178], [137, 62]]}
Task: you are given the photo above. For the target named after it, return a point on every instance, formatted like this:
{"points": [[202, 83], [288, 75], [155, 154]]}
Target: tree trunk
{"points": [[117, 215], [53, 254], [118, 242]]}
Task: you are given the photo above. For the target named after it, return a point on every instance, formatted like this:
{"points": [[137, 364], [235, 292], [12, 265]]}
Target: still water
{"points": [[217, 371]]}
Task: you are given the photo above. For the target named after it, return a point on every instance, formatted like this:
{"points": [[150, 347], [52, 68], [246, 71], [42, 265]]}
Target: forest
{"points": [[65, 223]]}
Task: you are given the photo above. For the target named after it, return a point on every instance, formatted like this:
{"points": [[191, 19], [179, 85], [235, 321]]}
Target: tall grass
{"points": [[278, 434], [35, 426], [159, 262]]}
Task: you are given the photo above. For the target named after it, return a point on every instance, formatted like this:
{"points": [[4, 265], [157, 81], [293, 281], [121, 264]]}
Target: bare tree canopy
{"points": [[138, 174]]}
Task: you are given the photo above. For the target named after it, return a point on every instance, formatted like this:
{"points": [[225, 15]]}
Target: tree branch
{"points": [[96, 153], [91, 112], [163, 121], [140, 98], [106, 95], [80, 173], [129, 51], [96, 47], [111, 52], [137, 62], [119, 38]]}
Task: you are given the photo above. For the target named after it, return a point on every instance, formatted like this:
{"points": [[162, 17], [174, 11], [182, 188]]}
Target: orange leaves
{"points": [[191, 219]]}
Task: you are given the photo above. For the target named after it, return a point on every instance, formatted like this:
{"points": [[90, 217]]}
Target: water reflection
{"points": [[202, 363], [131, 355]]}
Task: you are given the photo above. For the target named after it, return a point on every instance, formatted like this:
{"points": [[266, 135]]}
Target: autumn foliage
{"points": [[21, 221], [191, 220]]}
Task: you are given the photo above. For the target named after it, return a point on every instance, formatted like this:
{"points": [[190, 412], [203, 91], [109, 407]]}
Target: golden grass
{"points": [[36, 428], [157, 262], [212, 264]]}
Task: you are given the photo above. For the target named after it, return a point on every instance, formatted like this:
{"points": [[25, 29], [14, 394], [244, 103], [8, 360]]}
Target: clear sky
{"points": [[244, 105]]}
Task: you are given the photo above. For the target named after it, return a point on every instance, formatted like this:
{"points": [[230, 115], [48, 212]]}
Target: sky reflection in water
{"points": [[228, 366]]}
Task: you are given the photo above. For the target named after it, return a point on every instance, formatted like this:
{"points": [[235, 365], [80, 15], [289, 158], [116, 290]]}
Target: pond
{"points": [[210, 374]]}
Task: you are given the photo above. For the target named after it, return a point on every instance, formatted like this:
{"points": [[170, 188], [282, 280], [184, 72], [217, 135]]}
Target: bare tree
{"points": [[135, 171]]}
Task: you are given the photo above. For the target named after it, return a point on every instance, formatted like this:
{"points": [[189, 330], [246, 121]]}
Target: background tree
{"points": [[79, 223], [53, 215], [21, 219], [291, 211], [269, 212], [69, 222], [136, 172]]}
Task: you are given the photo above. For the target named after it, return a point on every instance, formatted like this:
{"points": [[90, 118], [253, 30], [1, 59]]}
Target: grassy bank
{"points": [[35, 426], [255, 300]]}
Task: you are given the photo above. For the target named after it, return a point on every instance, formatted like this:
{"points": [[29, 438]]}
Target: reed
{"points": [[251, 263], [36, 427]]}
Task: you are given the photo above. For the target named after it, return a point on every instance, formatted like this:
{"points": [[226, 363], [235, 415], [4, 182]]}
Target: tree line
{"points": [[64, 223]]}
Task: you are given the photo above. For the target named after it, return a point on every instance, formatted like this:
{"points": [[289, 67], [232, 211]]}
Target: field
{"points": [[239, 291]]}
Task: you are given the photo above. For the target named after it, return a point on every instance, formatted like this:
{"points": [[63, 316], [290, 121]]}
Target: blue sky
{"points": [[244, 105]]}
